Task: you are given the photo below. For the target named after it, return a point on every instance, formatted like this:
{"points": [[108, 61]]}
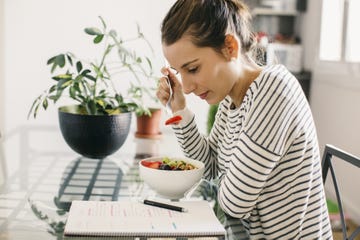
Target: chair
{"points": [[329, 152]]}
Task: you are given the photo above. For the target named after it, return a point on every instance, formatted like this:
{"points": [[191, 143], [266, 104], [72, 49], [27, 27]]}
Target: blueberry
{"points": [[165, 167]]}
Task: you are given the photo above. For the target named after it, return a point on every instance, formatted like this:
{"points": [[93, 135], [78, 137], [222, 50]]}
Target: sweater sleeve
{"points": [[197, 146]]}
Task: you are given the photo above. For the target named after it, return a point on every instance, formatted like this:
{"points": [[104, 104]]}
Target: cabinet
{"points": [[275, 22]]}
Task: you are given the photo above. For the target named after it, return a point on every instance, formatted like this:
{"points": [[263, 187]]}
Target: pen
{"points": [[164, 205]]}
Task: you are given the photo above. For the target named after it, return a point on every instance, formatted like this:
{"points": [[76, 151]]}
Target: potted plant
{"points": [[98, 124]]}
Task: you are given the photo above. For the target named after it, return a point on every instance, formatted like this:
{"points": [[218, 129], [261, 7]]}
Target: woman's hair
{"points": [[207, 22]]}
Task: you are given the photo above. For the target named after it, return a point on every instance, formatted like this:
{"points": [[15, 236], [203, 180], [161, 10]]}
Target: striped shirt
{"points": [[267, 157]]}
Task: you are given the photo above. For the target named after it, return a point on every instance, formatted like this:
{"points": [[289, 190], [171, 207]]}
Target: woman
{"points": [[263, 146]]}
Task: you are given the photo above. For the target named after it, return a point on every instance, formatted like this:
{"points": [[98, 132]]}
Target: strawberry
{"points": [[155, 165], [145, 163], [151, 164]]}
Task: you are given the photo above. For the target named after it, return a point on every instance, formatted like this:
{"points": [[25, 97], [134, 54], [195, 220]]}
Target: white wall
{"points": [[38, 29], [1, 65], [334, 99], [2, 161]]}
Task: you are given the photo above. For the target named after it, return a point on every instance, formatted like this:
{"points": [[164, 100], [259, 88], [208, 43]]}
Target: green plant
{"points": [[211, 117], [91, 83]]}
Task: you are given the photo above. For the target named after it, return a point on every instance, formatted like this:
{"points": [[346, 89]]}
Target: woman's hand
{"points": [[178, 101]]}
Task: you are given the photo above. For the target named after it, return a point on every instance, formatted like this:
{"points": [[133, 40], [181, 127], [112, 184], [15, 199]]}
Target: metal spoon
{"points": [[168, 104]]}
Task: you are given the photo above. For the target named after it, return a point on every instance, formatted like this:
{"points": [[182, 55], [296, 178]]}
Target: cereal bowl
{"points": [[171, 183]]}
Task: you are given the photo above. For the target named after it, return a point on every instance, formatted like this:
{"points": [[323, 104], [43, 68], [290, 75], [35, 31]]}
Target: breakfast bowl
{"points": [[175, 179]]}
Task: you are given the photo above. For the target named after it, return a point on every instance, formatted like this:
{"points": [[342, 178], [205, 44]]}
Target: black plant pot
{"points": [[94, 136]]}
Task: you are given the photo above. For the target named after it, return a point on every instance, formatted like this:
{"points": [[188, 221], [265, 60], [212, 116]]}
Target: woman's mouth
{"points": [[203, 95]]}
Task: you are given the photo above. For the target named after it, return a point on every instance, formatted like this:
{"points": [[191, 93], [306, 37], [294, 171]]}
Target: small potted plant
{"points": [[98, 123]]}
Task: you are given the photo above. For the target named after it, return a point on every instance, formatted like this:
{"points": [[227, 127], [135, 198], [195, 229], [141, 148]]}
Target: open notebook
{"points": [[135, 219]]}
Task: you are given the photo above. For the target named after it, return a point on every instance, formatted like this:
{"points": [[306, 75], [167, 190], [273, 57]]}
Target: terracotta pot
{"points": [[149, 127]]}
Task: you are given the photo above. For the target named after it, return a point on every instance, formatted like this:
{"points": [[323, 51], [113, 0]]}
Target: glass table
{"points": [[44, 175]]}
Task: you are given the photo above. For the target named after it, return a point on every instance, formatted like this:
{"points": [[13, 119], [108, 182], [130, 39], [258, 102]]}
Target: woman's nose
{"points": [[188, 85]]}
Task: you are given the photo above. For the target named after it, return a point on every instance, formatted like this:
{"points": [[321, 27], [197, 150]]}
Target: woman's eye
{"points": [[193, 69]]}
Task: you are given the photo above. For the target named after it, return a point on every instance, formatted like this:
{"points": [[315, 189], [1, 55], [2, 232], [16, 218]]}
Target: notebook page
{"points": [[125, 218]]}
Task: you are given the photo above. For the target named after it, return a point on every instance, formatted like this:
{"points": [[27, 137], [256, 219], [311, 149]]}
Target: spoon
{"points": [[174, 119], [168, 104]]}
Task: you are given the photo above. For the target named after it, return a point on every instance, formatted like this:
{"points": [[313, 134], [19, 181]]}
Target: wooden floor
{"points": [[337, 234]]}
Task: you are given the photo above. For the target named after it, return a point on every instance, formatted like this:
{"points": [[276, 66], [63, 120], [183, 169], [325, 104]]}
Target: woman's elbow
{"points": [[240, 209]]}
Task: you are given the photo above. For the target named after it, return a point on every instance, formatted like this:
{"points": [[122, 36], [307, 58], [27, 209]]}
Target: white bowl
{"points": [[171, 184]]}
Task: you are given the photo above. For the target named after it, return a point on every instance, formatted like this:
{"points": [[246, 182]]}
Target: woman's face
{"points": [[204, 72]]}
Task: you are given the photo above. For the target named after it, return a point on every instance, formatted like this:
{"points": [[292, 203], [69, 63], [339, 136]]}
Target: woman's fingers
{"points": [[163, 91], [175, 82], [165, 71]]}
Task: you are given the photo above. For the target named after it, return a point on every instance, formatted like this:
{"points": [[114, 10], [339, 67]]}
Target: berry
{"points": [[151, 164], [165, 167]]}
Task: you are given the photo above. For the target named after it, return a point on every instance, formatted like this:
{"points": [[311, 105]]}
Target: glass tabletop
{"points": [[45, 175]]}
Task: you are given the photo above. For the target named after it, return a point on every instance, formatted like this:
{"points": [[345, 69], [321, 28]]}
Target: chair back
{"points": [[327, 166]]}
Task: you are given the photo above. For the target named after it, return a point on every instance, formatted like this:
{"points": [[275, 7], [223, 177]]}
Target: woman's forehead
{"points": [[180, 51]]}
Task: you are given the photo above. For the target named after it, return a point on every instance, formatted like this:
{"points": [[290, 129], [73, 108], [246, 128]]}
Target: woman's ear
{"points": [[231, 47]]}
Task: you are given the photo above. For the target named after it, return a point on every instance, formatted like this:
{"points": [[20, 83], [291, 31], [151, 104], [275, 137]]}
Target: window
{"points": [[339, 37], [352, 34]]}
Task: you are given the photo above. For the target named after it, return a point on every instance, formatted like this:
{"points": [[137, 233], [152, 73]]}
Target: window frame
{"points": [[342, 66]]}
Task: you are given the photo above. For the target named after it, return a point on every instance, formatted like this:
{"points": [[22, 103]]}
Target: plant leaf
{"points": [[98, 38], [69, 58], [52, 97], [90, 77], [52, 89], [131, 106], [51, 60], [72, 92], [36, 109], [79, 66], [101, 102], [63, 83], [85, 72], [33, 106], [45, 104], [53, 68], [76, 87], [58, 95], [62, 76], [93, 31], [119, 98], [91, 107], [149, 62], [60, 60], [102, 21], [113, 111]]}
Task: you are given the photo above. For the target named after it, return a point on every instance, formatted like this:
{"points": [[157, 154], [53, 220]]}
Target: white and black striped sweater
{"points": [[266, 154]]}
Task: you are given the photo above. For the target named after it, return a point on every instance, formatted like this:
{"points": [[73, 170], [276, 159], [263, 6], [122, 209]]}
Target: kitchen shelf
{"points": [[270, 11]]}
